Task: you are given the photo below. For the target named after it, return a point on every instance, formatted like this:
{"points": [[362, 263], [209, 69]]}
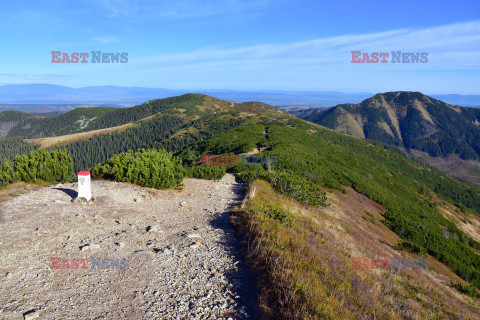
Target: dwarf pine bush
{"points": [[51, 166], [149, 168], [290, 185], [206, 172]]}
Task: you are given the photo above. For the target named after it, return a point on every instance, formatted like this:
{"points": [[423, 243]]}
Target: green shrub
{"points": [[248, 174], [287, 184], [277, 213], [411, 247], [50, 166], [469, 290], [206, 172], [148, 168], [298, 188]]}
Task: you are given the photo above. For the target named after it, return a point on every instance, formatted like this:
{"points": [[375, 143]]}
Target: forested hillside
{"points": [[19, 124], [403, 187], [171, 123], [9, 147], [169, 132], [410, 120]]}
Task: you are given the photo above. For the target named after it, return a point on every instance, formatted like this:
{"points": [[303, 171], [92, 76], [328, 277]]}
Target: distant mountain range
{"points": [[28, 97]]}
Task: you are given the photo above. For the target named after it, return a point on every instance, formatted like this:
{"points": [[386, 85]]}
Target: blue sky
{"points": [[244, 44]]}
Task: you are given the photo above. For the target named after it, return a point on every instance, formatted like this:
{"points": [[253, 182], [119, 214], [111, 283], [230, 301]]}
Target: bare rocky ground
{"points": [[180, 249]]}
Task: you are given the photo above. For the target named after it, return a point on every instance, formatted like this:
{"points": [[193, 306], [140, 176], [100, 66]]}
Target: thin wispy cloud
{"points": [[450, 46], [245, 44]]}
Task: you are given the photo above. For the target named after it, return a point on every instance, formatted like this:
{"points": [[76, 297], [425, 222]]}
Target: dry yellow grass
{"points": [[350, 124], [307, 269], [18, 188], [391, 114], [468, 223]]}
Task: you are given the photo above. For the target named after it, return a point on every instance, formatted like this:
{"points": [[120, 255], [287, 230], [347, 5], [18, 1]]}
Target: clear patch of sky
{"points": [[232, 43]]}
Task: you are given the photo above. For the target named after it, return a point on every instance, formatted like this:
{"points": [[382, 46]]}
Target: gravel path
{"points": [[150, 254]]}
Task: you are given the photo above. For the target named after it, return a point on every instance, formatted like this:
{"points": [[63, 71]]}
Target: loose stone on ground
{"points": [[182, 258]]}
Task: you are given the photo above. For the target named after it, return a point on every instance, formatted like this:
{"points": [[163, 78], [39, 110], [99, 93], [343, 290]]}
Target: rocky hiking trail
{"points": [[182, 256]]}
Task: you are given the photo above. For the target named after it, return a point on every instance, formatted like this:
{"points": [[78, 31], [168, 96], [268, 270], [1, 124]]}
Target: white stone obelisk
{"points": [[84, 185]]}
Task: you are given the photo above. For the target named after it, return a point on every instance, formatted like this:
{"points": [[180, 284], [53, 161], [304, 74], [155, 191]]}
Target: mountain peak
{"points": [[401, 96], [408, 119]]}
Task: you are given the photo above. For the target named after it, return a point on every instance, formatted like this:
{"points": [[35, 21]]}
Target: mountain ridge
{"points": [[410, 120], [33, 94]]}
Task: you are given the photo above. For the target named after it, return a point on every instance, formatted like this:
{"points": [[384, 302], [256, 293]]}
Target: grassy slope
{"points": [[59, 141], [452, 165], [308, 269]]}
